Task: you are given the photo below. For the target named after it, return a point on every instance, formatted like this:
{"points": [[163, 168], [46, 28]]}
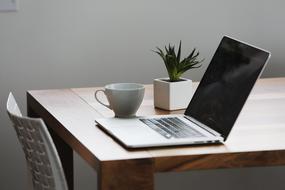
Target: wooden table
{"points": [[257, 139]]}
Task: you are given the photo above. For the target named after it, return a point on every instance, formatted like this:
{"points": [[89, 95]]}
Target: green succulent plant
{"points": [[176, 67]]}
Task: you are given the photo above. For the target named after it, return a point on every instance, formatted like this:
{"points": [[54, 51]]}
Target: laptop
{"points": [[213, 109]]}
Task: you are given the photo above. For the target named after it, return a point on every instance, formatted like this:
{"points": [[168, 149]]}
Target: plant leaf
{"points": [[175, 67], [179, 52]]}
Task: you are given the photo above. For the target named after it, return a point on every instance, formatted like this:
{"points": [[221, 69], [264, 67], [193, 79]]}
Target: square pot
{"points": [[172, 95]]}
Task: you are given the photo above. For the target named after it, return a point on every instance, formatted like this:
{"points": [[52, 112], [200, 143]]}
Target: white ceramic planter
{"points": [[172, 95]]}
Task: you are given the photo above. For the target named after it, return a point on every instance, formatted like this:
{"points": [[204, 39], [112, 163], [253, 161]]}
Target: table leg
{"points": [[66, 156], [65, 153], [126, 175]]}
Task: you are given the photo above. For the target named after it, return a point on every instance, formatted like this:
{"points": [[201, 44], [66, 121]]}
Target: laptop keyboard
{"points": [[172, 127]]}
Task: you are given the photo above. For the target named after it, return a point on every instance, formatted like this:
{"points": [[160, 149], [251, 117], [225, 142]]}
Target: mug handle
{"points": [[96, 92]]}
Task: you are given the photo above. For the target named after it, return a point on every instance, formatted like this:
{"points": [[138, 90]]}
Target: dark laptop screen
{"points": [[226, 85]]}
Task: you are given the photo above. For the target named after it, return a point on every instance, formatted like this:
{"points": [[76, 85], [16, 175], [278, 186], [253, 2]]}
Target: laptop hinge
{"points": [[213, 132]]}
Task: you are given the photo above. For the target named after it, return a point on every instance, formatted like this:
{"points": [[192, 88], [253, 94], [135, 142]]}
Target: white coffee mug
{"points": [[124, 98]]}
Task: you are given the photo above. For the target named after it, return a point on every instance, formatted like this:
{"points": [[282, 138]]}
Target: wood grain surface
{"points": [[257, 139], [74, 121], [126, 174], [260, 128]]}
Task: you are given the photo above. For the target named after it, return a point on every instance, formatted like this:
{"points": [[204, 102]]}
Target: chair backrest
{"points": [[40, 152]]}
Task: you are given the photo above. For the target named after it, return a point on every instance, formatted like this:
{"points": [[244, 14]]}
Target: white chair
{"points": [[40, 152]]}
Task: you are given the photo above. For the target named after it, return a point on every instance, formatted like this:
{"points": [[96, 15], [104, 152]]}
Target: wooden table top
{"points": [[258, 137]]}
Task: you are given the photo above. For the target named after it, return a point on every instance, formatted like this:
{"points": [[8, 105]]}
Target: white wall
{"points": [[68, 43]]}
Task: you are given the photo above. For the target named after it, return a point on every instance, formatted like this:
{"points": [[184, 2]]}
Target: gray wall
{"points": [[68, 43]]}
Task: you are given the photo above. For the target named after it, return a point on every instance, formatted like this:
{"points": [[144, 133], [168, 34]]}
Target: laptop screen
{"points": [[226, 85]]}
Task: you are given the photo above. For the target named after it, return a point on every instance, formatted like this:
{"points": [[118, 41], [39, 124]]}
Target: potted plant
{"points": [[175, 92]]}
